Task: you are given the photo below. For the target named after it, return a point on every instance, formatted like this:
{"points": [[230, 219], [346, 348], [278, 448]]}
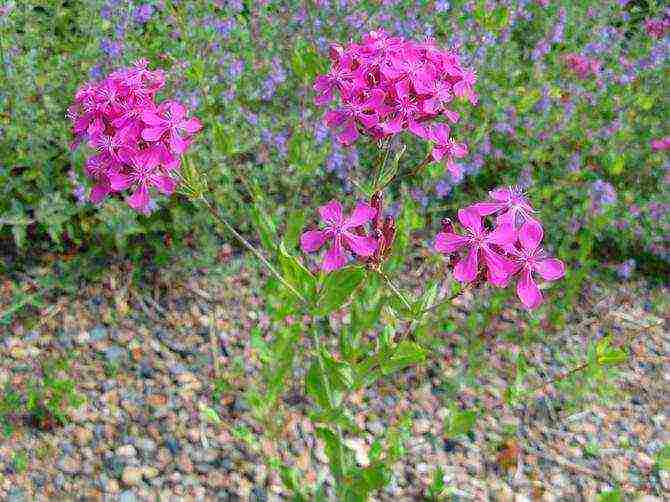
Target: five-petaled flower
{"points": [[482, 245], [343, 232], [509, 203], [529, 257]]}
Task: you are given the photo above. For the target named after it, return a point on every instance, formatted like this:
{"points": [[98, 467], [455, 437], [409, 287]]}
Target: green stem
{"points": [[217, 215], [395, 289], [445, 301], [329, 393]]}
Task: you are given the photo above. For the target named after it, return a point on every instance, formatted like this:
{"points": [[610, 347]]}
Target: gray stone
{"points": [[97, 334], [114, 354], [127, 496]]}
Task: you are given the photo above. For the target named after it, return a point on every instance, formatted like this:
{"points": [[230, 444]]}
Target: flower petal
{"points": [[470, 220], [331, 213], [550, 269], [466, 269], [165, 184], [153, 133], [192, 125], [312, 240], [140, 199], [361, 215], [487, 208], [99, 192], [448, 242], [151, 118], [334, 257], [359, 244], [498, 267], [527, 290], [503, 235], [530, 235]]}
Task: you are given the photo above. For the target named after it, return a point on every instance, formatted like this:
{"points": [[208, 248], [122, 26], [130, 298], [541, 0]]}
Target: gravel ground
{"points": [[143, 360]]}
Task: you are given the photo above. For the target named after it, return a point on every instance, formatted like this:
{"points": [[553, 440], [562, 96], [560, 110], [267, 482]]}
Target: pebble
{"points": [[132, 475], [127, 496], [68, 465], [146, 445], [127, 450], [114, 354]]}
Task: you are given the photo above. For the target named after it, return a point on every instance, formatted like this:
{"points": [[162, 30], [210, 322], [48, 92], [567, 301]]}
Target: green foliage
{"points": [[663, 458], [337, 287], [54, 393], [459, 422]]}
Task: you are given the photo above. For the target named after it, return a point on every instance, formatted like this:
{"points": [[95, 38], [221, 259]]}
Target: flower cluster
{"points": [[660, 144], [657, 28], [138, 142], [388, 85], [510, 249], [582, 66]]}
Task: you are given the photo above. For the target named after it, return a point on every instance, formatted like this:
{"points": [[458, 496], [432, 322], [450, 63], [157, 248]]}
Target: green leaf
{"points": [[265, 226], [404, 355], [209, 414], [663, 458], [427, 299], [609, 356], [438, 485], [335, 451], [337, 288], [338, 373], [610, 496], [294, 227], [296, 274], [459, 422], [316, 386]]}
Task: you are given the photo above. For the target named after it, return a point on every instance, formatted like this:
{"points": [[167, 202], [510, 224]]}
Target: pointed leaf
{"points": [[337, 288]]}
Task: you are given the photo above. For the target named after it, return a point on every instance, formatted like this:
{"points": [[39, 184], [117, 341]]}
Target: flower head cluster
{"points": [[138, 142], [657, 28], [511, 249], [660, 144], [582, 66], [388, 85]]}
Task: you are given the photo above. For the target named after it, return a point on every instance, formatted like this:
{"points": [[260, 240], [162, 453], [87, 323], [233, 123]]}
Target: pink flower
{"points": [[170, 119], [509, 203], [660, 144], [388, 85], [446, 148], [342, 233], [529, 257], [481, 245], [139, 142]]}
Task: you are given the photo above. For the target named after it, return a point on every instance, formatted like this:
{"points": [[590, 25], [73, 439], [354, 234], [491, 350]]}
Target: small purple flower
{"points": [[111, 48], [143, 14], [625, 269]]}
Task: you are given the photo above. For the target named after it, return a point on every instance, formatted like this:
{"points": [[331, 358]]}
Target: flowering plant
{"points": [[386, 86]]}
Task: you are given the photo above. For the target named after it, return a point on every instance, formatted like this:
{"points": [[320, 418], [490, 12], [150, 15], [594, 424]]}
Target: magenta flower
{"points": [[660, 144], [446, 148], [388, 85], [481, 245], [342, 232], [143, 174], [355, 109], [139, 142], [170, 119], [509, 203], [529, 257]]}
